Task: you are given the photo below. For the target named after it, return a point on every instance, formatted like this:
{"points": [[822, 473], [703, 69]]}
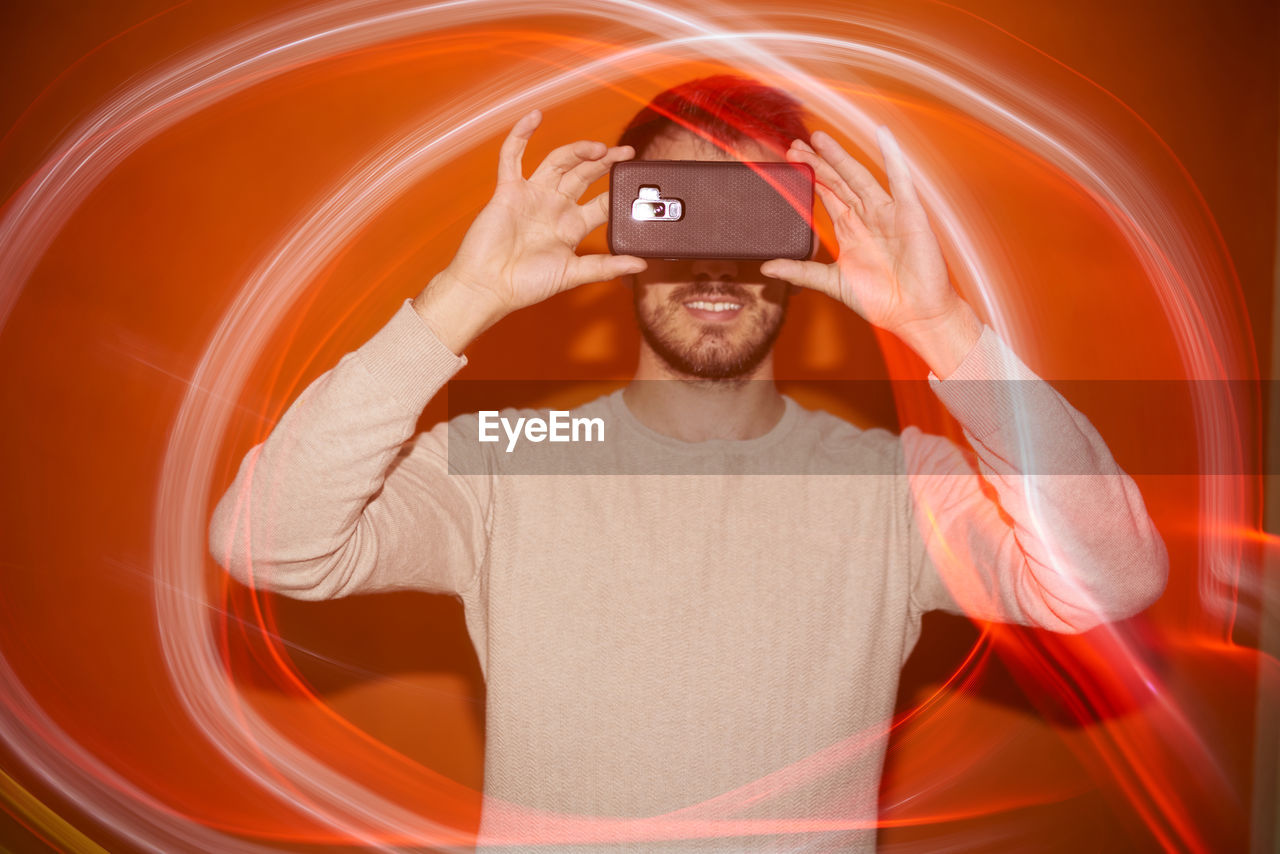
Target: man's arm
{"points": [[339, 499], [1042, 527], [1045, 529]]}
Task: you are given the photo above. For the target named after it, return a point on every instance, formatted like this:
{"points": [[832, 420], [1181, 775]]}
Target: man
{"points": [[694, 663]]}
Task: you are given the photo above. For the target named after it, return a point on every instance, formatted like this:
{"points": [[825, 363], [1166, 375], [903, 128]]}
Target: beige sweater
{"points": [[716, 645]]}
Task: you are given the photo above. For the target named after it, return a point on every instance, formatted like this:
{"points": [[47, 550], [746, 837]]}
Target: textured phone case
{"points": [[745, 211]]}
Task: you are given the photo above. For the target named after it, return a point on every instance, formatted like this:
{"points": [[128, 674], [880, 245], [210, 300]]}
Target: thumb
{"points": [[806, 274], [601, 268]]}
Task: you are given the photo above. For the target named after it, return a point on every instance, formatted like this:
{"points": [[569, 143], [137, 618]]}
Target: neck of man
{"points": [[693, 409]]}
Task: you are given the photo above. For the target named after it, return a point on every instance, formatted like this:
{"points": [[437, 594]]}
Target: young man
{"points": [[702, 662]]}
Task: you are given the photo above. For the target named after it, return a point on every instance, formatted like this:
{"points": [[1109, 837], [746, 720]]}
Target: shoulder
{"points": [[847, 447]]}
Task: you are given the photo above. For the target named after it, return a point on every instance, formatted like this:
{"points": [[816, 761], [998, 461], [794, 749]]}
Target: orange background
{"points": [[94, 359]]}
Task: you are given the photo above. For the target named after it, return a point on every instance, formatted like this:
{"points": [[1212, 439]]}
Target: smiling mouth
{"points": [[713, 305], [716, 310]]}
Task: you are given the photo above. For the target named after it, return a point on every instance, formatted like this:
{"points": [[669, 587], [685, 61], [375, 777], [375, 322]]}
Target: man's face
{"points": [[709, 319]]}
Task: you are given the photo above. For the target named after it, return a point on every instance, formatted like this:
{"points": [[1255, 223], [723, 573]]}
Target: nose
{"points": [[715, 269]]}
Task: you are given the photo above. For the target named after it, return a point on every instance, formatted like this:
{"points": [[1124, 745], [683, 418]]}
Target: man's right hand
{"points": [[520, 249]]}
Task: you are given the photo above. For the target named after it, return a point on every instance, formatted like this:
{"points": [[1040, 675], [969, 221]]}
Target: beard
{"points": [[713, 351]]}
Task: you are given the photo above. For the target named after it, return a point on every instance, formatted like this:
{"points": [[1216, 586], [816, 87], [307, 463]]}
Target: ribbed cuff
{"points": [[983, 392], [408, 358]]}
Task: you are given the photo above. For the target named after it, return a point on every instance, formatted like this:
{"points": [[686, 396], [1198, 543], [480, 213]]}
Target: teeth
{"points": [[714, 306]]}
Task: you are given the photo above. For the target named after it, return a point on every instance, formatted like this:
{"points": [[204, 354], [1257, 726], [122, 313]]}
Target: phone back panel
{"points": [[734, 210]]}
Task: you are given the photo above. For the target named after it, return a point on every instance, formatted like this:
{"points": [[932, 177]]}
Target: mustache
{"points": [[708, 289]]}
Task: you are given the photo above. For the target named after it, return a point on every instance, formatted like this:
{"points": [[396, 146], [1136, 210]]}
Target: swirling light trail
{"points": [[1203, 316]]}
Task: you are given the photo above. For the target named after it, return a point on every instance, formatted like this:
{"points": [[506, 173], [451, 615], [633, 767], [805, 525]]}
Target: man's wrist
{"points": [[453, 312], [945, 341]]}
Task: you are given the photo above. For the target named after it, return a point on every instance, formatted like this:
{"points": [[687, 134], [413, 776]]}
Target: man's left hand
{"points": [[890, 268]]}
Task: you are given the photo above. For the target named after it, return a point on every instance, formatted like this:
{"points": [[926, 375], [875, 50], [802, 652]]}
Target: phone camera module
{"points": [[651, 207]]}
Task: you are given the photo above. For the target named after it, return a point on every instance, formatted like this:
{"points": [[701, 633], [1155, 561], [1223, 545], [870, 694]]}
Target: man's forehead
{"points": [[680, 144]]}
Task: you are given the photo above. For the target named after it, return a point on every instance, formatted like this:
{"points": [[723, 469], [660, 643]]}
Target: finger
{"points": [[836, 208], [564, 158], [854, 173], [827, 175], [510, 166], [807, 274], [602, 268], [576, 180], [895, 166], [595, 212]]}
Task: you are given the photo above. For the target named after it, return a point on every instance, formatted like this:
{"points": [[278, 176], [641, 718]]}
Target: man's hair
{"points": [[725, 110]]}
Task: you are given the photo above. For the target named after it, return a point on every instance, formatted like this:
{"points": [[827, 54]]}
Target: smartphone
{"points": [[679, 209]]}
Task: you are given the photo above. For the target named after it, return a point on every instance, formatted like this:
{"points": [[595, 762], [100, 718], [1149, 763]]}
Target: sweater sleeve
{"points": [[1037, 524], [342, 497]]}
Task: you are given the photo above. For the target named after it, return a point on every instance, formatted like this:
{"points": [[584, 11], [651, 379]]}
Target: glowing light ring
{"points": [[38, 212]]}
